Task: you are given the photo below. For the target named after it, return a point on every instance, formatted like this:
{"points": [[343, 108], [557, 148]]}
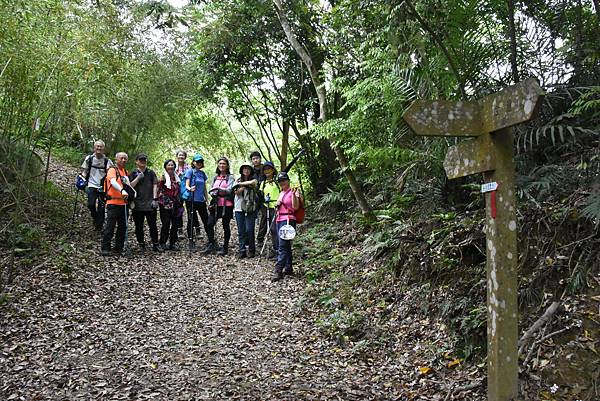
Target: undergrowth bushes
{"points": [[35, 218], [429, 236]]}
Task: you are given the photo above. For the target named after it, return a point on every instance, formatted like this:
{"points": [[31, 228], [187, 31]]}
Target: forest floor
{"points": [[172, 326]]}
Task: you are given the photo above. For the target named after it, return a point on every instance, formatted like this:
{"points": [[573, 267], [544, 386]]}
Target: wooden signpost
{"points": [[491, 153]]}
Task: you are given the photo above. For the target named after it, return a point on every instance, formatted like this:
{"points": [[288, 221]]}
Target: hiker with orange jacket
{"points": [[116, 206]]}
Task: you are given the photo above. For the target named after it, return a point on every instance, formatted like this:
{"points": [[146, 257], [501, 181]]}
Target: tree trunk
{"points": [[513, 40], [322, 96], [579, 54], [597, 9], [285, 139]]}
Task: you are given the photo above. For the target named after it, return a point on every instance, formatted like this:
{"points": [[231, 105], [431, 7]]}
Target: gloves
{"points": [[140, 175], [154, 204]]}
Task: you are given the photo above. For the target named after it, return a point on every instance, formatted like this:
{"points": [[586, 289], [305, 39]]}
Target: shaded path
{"points": [[175, 327], [188, 329]]}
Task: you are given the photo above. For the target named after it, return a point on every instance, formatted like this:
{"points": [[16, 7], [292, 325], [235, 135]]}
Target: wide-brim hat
{"points": [[247, 165]]}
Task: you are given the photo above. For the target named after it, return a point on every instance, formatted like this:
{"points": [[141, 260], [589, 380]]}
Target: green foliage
{"points": [[68, 155], [341, 324], [591, 208], [25, 238], [540, 182]]}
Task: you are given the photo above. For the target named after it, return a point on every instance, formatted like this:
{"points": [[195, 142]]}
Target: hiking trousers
{"points": [[138, 219], [192, 221], [261, 218], [115, 216], [95, 203], [169, 225], [225, 213], [284, 253], [245, 225]]}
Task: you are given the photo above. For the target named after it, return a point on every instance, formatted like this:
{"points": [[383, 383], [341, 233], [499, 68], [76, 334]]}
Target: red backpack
{"points": [[300, 213]]}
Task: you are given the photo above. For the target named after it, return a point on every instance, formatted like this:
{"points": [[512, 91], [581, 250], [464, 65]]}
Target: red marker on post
{"points": [[491, 187]]}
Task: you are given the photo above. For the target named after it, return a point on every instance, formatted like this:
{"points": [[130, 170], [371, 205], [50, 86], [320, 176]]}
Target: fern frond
{"points": [[592, 207], [540, 181]]}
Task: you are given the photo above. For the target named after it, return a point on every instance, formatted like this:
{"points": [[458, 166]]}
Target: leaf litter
{"points": [[187, 327]]}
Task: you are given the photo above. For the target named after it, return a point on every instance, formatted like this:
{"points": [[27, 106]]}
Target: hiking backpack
{"points": [[251, 200], [90, 160]]}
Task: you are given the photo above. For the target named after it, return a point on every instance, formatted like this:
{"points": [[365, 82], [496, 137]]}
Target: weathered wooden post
{"points": [[491, 153]]}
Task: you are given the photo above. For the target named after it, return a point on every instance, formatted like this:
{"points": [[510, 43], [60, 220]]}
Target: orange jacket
{"points": [[114, 197]]}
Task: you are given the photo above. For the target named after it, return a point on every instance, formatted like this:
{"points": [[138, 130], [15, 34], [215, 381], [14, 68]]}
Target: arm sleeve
{"points": [[85, 162], [111, 177]]}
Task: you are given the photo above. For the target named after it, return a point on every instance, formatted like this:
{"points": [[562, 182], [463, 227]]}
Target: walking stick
{"points": [[267, 237], [126, 249], [191, 223], [75, 207]]}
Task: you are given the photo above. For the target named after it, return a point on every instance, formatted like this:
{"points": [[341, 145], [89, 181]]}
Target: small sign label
{"points": [[489, 187]]}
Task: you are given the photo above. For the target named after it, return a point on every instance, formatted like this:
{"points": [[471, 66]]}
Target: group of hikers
{"points": [[259, 196]]}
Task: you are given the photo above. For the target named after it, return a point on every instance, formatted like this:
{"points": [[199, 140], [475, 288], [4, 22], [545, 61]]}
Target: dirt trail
{"points": [[177, 327]]}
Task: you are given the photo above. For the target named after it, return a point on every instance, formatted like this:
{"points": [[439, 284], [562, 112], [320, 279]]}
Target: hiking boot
{"points": [[288, 271], [173, 247], [157, 248], [142, 248], [277, 275], [210, 248], [105, 252], [223, 251], [198, 232], [191, 246], [241, 255], [251, 254]]}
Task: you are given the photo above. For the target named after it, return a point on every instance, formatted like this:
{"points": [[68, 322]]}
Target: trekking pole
{"points": [[75, 207], [267, 201], [126, 249], [191, 223]]}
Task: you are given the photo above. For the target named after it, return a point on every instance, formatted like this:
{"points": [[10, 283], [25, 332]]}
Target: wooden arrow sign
{"points": [[470, 157], [444, 118], [511, 106]]}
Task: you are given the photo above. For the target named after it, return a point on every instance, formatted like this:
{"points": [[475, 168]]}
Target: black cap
{"points": [[283, 176], [141, 156]]}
